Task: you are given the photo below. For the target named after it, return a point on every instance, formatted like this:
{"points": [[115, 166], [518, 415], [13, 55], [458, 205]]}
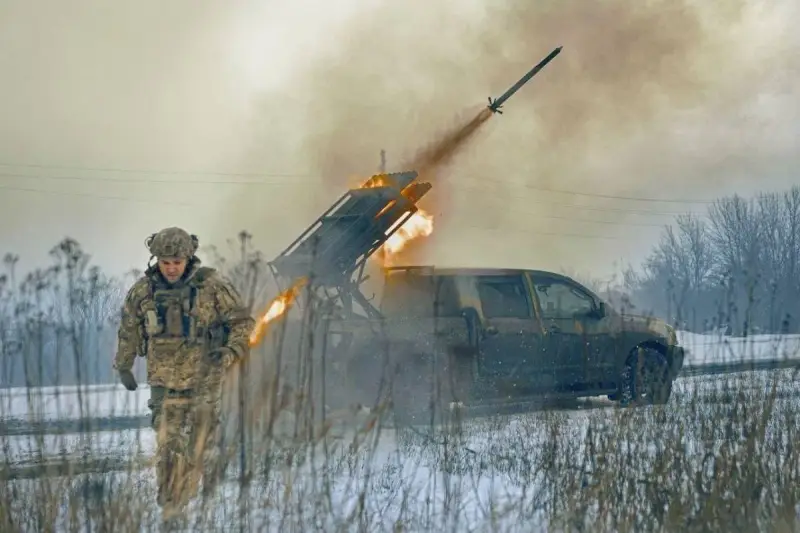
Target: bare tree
{"points": [[740, 262]]}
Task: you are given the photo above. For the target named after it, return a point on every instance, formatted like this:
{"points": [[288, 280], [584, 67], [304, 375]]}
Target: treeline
{"points": [[734, 269]]}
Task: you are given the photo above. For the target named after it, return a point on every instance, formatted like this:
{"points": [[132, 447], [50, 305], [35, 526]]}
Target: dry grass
{"points": [[721, 456], [707, 461]]}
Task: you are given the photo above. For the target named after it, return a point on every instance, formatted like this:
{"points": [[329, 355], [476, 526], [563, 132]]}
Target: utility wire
{"points": [[646, 212], [543, 233], [297, 175], [134, 180], [139, 200], [478, 227], [226, 182], [598, 195], [162, 172], [89, 195], [591, 221]]}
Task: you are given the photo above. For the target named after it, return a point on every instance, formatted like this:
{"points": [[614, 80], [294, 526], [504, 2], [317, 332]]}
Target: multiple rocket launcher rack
{"points": [[332, 252]]}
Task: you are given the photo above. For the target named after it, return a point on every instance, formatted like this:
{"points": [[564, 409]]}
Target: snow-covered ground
{"points": [[496, 473], [73, 402], [716, 348]]}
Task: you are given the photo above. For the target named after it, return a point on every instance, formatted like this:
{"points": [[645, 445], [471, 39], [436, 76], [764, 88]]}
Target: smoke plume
{"points": [[613, 114], [441, 151]]}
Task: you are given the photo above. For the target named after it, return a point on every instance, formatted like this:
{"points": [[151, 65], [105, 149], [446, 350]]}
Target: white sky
{"points": [[152, 94]]}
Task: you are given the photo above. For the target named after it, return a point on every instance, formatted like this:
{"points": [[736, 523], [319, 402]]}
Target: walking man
{"points": [[190, 324]]}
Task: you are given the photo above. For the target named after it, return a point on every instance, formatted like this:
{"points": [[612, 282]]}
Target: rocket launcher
{"points": [[332, 252]]}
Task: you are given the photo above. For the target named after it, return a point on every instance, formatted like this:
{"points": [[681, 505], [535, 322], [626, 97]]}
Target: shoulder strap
{"points": [[202, 274]]}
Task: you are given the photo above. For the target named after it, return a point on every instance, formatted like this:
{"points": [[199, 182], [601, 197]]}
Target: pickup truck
{"points": [[462, 336]]}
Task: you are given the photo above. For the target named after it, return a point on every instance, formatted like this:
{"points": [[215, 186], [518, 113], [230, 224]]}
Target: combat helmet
{"points": [[172, 242]]}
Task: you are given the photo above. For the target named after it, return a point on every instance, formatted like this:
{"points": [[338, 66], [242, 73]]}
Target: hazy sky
{"points": [[122, 118]]}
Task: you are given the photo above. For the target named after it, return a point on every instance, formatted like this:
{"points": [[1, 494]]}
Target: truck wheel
{"points": [[645, 378]]}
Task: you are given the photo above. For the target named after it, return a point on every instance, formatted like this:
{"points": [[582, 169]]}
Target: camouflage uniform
{"points": [[190, 332]]}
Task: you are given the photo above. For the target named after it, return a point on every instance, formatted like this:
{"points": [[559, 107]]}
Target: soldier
{"points": [[191, 325]]}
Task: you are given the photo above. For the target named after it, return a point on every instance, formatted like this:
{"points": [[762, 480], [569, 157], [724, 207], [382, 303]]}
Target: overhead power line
{"points": [[639, 211], [543, 233], [301, 175], [133, 180], [162, 172], [90, 195], [599, 195], [485, 228], [645, 212]]}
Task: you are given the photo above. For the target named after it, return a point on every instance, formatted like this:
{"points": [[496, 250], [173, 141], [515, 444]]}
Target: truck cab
{"points": [[513, 333]]}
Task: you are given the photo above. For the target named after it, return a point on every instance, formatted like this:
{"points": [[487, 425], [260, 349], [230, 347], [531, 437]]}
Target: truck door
{"points": [[564, 308], [509, 350]]}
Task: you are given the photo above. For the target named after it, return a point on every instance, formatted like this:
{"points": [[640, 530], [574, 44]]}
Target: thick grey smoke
{"points": [[121, 119], [640, 103], [659, 99], [117, 87]]}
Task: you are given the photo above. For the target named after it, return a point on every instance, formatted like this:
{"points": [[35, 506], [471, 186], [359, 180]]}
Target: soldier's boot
{"points": [[216, 466], [211, 478], [163, 468], [208, 449], [172, 513], [213, 470], [173, 519], [176, 484]]}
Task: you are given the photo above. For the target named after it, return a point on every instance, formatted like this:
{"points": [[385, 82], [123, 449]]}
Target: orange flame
{"points": [[378, 180], [419, 225], [276, 308]]}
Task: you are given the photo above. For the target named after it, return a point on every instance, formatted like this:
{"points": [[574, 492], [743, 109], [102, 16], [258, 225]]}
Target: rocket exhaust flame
{"points": [[419, 225], [278, 307]]}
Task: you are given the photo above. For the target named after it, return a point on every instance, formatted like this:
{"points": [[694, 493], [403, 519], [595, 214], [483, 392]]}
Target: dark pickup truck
{"points": [[465, 336]]}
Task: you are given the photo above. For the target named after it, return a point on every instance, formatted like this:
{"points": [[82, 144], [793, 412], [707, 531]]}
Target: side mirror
{"points": [[601, 309]]}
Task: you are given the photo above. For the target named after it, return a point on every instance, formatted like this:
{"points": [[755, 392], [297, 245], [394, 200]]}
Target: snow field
{"points": [[506, 473], [719, 455]]}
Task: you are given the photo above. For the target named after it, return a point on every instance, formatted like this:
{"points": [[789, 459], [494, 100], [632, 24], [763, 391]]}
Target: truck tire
{"points": [[645, 378]]}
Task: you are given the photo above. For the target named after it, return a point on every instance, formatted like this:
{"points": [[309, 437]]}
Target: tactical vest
{"points": [[170, 313]]}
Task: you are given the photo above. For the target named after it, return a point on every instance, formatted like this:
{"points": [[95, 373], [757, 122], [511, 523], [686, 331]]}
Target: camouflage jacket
{"points": [[175, 326]]}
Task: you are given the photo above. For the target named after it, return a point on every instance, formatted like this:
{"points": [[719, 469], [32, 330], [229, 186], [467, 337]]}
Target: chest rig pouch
{"points": [[172, 314]]}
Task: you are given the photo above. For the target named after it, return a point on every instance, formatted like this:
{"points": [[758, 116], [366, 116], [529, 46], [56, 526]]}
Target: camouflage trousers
{"points": [[187, 427]]}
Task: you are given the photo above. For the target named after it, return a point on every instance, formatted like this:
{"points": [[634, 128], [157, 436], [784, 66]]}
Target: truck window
{"points": [[503, 297], [560, 299], [407, 296], [416, 295]]}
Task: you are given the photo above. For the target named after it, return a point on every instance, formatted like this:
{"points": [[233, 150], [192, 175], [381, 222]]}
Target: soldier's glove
{"points": [[222, 356], [127, 379]]}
